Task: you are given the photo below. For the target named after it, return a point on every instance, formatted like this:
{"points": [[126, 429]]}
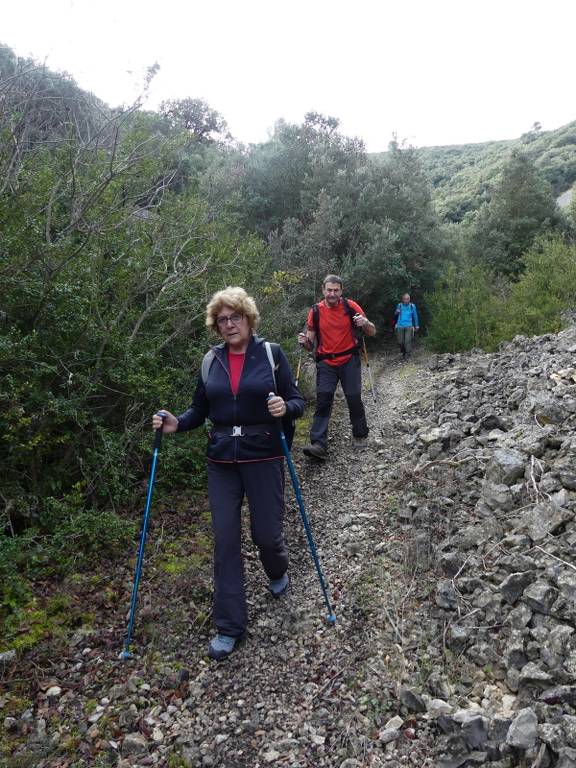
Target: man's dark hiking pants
{"points": [[262, 482], [327, 378]]}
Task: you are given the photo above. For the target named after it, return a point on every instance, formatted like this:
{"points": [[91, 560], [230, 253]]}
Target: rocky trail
{"points": [[448, 546]]}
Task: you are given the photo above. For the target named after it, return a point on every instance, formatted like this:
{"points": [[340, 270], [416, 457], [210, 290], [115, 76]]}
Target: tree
{"points": [[465, 310], [196, 117], [522, 208], [104, 275]]}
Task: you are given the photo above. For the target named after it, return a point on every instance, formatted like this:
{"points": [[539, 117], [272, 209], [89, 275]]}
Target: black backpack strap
{"points": [[316, 324], [350, 312]]}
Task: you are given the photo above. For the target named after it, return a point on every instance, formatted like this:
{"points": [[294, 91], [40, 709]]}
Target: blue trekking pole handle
{"points": [[331, 618], [156, 449]]}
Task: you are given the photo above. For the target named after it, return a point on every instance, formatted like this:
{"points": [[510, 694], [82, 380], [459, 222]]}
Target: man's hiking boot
{"points": [[279, 587], [221, 646], [315, 451]]}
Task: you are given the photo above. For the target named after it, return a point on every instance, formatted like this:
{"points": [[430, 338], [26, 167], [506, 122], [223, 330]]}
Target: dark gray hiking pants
{"points": [[404, 337], [262, 482], [327, 378]]}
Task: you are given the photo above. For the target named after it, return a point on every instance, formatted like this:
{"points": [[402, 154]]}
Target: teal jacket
{"points": [[407, 316]]}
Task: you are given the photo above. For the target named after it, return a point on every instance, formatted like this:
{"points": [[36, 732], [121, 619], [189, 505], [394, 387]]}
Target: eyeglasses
{"points": [[223, 320]]}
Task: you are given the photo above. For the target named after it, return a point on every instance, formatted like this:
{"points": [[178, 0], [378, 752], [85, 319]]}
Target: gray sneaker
{"points": [[280, 586], [315, 451], [360, 442], [221, 646]]}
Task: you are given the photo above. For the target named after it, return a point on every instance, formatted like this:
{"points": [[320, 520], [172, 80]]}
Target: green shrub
{"points": [[465, 310], [546, 290]]}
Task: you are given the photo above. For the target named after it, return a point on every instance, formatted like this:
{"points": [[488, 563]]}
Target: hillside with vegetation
{"points": [[463, 175], [119, 224]]}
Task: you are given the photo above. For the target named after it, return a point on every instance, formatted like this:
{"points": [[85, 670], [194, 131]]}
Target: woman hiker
{"points": [[245, 456]]}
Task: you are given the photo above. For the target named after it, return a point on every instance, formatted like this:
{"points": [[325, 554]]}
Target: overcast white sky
{"points": [[431, 71]]}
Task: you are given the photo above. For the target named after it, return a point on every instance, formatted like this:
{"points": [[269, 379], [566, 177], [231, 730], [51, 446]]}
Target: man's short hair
{"points": [[332, 279]]}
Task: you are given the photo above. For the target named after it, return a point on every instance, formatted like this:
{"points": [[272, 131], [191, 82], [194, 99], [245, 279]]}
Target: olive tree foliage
{"points": [[104, 275], [196, 117], [324, 206], [522, 207]]}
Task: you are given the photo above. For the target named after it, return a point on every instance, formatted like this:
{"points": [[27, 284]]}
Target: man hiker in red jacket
{"points": [[333, 327]]}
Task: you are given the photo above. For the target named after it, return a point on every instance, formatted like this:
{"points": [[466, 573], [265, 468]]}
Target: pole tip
{"points": [[331, 619], [124, 655]]}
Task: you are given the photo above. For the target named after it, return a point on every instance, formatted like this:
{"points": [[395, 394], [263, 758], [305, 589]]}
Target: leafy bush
{"points": [[470, 308], [465, 310], [546, 290]]}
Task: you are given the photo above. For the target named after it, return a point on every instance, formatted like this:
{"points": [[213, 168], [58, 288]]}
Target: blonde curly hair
{"points": [[237, 299]]}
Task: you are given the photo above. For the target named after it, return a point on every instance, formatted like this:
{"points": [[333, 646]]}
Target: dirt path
{"points": [[297, 692]]}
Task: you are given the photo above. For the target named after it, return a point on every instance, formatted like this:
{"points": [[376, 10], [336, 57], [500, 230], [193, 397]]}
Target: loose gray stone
{"points": [[411, 699], [10, 724], [532, 674], [568, 723], [567, 585], [134, 744], [560, 694], [514, 655], [446, 596], [540, 597], [387, 735], [523, 731], [7, 657], [544, 519], [497, 496], [506, 466], [498, 728], [519, 617], [475, 731], [514, 585], [551, 734], [547, 409]]}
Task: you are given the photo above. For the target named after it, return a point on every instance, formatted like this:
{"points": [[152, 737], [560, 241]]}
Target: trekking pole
{"points": [[157, 442], [369, 369], [299, 366], [331, 618]]}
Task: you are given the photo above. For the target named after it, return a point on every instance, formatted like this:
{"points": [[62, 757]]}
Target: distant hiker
{"points": [[245, 456], [406, 324], [333, 326]]}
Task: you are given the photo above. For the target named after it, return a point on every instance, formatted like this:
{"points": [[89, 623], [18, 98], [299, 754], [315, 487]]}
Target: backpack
{"points": [[273, 353], [316, 323]]}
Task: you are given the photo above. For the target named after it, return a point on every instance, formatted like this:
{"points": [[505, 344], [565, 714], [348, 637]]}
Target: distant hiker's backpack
{"points": [[316, 323], [273, 353]]}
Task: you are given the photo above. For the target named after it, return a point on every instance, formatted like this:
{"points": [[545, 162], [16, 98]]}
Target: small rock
{"points": [[523, 731], [388, 735], [134, 744], [411, 699]]}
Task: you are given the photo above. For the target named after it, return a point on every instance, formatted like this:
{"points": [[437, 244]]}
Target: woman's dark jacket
{"points": [[242, 427]]}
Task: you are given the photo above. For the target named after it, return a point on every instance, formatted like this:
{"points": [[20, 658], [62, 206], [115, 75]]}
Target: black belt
{"points": [[334, 355], [241, 430]]}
